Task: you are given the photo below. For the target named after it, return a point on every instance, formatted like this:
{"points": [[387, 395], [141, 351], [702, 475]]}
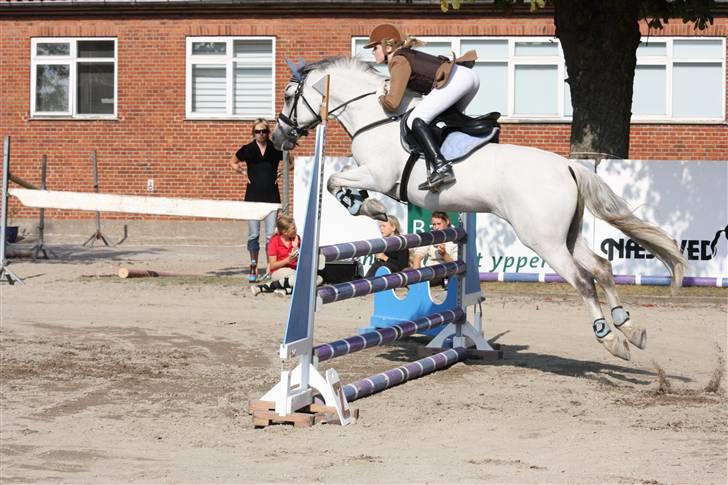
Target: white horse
{"points": [[541, 194]]}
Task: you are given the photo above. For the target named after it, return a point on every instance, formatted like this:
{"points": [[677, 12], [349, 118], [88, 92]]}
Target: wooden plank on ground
{"points": [[135, 204], [263, 413]]}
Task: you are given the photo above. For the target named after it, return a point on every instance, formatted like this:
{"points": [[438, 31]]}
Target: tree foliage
{"points": [[655, 12]]}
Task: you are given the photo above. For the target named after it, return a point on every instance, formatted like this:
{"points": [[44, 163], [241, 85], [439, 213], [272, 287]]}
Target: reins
{"points": [[298, 131]]}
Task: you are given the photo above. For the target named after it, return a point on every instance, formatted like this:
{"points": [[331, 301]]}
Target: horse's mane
{"points": [[340, 61]]}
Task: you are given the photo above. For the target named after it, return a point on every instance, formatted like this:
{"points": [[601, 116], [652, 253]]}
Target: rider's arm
{"points": [[399, 72]]}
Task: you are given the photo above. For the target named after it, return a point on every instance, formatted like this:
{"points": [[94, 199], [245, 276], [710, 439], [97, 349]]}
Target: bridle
{"points": [[298, 131]]}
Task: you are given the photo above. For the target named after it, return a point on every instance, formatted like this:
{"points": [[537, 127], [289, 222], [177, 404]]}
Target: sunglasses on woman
{"points": [[260, 132]]}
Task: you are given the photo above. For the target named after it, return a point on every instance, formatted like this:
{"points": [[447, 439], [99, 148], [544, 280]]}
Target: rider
{"points": [[443, 82]]}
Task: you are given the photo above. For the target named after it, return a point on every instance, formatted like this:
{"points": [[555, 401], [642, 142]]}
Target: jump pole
{"points": [[39, 248], [134, 204], [97, 235], [5, 272]]}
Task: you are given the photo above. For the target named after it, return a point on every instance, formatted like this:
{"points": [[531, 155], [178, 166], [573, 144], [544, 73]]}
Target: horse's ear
{"points": [[296, 68]]}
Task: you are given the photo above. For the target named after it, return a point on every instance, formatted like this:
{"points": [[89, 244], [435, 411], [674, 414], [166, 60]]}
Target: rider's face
{"points": [[379, 54]]}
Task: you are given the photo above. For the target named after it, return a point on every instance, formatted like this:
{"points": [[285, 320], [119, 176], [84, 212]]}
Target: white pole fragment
{"points": [[133, 204]]}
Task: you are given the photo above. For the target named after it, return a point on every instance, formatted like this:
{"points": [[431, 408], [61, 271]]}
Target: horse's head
{"points": [[355, 80], [301, 107]]}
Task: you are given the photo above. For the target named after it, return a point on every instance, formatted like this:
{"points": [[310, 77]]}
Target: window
{"points": [[73, 77], [523, 77], [680, 79], [230, 77]]}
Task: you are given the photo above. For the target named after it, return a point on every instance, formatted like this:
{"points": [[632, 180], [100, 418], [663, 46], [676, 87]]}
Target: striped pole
{"points": [[355, 249], [366, 286], [396, 376], [386, 335]]}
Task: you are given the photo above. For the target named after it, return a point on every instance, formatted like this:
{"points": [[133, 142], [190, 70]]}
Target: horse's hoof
{"points": [[375, 209], [636, 335], [616, 345]]}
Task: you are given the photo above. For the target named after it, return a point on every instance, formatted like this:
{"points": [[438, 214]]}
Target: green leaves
{"points": [[536, 4], [655, 12]]}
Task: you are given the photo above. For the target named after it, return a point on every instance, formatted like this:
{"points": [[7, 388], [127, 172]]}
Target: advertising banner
{"points": [[686, 198]]}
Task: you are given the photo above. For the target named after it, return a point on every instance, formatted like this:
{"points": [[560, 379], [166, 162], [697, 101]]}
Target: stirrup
{"points": [[439, 177]]}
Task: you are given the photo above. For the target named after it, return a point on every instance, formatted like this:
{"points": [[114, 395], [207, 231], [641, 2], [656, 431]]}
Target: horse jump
{"points": [[298, 387], [455, 318]]}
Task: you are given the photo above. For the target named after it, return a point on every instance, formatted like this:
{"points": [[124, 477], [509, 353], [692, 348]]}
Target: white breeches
{"points": [[459, 91]]}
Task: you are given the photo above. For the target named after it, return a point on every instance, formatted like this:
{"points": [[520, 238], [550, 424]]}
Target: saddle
{"points": [[458, 134]]}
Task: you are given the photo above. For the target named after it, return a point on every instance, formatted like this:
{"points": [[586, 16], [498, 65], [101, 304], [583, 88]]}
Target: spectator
{"points": [[394, 260], [437, 253], [262, 160], [282, 258]]}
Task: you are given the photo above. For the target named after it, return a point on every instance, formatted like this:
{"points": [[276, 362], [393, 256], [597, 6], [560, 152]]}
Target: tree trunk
{"points": [[600, 40]]}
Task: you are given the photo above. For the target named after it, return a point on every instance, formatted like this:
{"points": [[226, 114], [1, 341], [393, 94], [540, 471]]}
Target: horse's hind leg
{"points": [[601, 269], [559, 258]]}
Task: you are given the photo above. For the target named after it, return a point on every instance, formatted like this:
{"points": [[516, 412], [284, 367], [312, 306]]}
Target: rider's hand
{"points": [[383, 89]]}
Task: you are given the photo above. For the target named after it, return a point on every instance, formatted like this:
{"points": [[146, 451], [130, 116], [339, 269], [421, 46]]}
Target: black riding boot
{"points": [[441, 172]]}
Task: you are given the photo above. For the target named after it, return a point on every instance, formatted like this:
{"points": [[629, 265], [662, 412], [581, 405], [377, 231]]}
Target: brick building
{"points": [[166, 90]]}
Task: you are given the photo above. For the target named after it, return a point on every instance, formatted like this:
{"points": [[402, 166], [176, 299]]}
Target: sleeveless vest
{"points": [[424, 69]]}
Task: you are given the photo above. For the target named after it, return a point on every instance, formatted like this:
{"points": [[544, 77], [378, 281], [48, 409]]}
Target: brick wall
{"points": [[187, 158]]}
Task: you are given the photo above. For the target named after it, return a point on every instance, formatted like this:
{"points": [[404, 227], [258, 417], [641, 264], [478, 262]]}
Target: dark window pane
{"points": [[95, 48], [51, 88], [95, 88], [53, 49]]}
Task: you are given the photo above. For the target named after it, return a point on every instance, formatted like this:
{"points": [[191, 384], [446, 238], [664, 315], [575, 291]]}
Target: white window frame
{"points": [[562, 117], [228, 60], [669, 61], [72, 60]]}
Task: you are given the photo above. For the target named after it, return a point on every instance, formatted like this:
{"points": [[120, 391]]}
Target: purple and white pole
{"points": [[394, 377], [366, 286], [350, 250], [386, 335]]}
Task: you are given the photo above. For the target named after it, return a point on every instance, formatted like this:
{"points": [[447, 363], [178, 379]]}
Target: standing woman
{"points": [[443, 82], [262, 161]]}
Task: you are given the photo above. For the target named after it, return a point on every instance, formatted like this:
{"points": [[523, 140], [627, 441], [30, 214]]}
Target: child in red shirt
{"points": [[282, 258], [283, 248]]}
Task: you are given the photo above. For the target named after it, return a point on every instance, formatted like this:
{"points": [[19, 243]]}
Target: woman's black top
{"points": [[398, 260], [262, 172]]}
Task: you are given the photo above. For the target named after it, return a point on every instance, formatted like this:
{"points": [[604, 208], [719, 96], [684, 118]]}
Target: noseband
{"points": [[292, 118]]}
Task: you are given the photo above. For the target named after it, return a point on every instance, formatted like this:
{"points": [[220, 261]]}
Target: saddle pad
{"points": [[459, 145]]}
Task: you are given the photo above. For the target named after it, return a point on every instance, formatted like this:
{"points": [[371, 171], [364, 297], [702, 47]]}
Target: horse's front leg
{"points": [[350, 189]]}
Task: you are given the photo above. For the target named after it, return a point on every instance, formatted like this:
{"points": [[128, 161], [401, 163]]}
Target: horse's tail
{"points": [[608, 206]]}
